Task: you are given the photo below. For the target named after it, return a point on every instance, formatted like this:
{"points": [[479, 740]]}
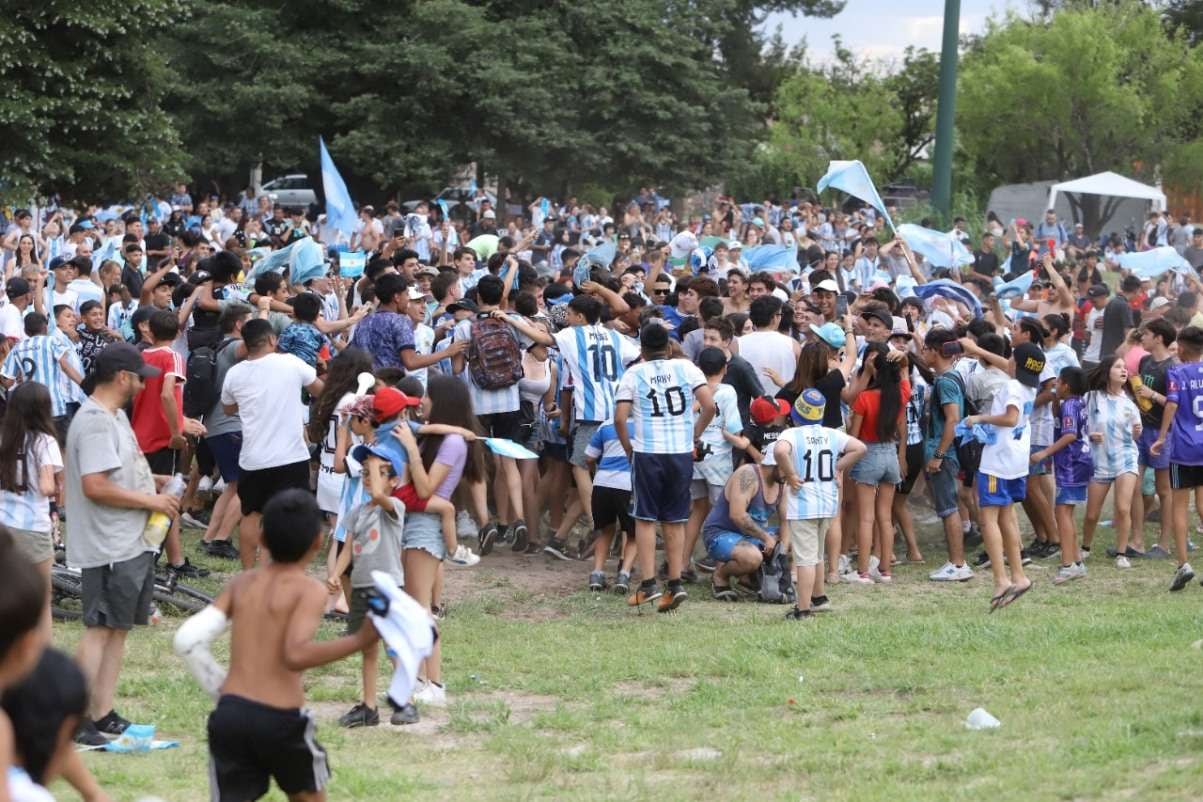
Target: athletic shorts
{"points": [[35, 546], [612, 505], [943, 486], [506, 425], [700, 489], [225, 449], [255, 488], [204, 458], [582, 433], [1158, 462], [63, 422], [1045, 466], [1184, 477], [660, 486], [806, 540], [408, 495], [1071, 496], [251, 743], [995, 492], [117, 596], [163, 462], [721, 545], [914, 467]]}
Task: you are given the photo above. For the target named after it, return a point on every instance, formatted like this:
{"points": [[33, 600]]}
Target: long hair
{"points": [[813, 364], [451, 404], [33, 250], [341, 379], [887, 378], [28, 414], [1100, 376]]}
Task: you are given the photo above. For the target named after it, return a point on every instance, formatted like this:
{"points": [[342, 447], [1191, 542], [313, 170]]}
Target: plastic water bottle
{"points": [[158, 524]]}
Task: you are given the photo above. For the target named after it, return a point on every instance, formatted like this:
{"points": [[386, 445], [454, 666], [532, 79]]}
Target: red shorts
{"points": [[409, 496]]}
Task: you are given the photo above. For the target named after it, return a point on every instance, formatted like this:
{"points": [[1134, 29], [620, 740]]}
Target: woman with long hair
{"points": [[31, 468], [25, 254], [1113, 423], [737, 299], [878, 420]]}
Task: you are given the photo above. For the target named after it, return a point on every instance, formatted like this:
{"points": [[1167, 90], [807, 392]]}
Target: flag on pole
{"points": [[340, 211], [938, 248], [853, 178], [1016, 287]]}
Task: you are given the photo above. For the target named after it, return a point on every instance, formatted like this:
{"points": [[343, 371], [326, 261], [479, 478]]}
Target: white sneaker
{"points": [[1083, 554], [219, 486], [463, 557], [464, 525], [431, 693], [205, 485], [1122, 562], [1067, 573], [875, 573], [853, 577], [951, 573], [844, 564]]}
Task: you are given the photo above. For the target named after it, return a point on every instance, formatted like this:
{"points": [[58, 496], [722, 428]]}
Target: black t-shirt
{"points": [[985, 263], [1154, 374], [742, 376], [830, 386], [763, 438], [1117, 316], [158, 242]]}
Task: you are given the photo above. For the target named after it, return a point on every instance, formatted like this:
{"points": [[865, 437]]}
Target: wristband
{"points": [[939, 455]]}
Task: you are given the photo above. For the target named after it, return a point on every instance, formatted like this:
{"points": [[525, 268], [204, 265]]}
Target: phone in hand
{"points": [[841, 305]]}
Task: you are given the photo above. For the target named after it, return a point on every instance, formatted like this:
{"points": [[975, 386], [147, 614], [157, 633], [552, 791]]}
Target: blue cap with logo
{"points": [[808, 408]]}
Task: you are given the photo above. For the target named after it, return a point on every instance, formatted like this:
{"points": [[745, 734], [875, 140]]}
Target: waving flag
{"points": [[303, 259], [853, 178], [1017, 287], [508, 448], [771, 258], [938, 248], [602, 256], [545, 207], [107, 251], [943, 288], [445, 208], [340, 211], [1151, 264]]}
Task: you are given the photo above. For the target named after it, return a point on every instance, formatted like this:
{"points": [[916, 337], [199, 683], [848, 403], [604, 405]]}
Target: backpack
{"points": [[969, 454], [200, 386], [776, 578], [494, 356]]}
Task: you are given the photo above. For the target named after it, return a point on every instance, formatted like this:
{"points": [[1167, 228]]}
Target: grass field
{"points": [[559, 695]]}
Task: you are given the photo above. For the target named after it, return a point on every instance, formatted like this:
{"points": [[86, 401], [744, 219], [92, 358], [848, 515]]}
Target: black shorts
{"points": [[1184, 477], [118, 596], [163, 462], [251, 743], [255, 488], [63, 422], [914, 467], [205, 462], [506, 425], [610, 506], [358, 608]]}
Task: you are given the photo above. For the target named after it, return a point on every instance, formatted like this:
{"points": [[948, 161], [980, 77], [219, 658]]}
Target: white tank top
{"points": [[769, 349]]}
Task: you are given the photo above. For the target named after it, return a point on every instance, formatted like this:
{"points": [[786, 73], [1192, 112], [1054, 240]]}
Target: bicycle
{"points": [[169, 595]]}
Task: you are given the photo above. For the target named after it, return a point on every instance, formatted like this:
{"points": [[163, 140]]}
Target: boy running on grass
{"points": [[259, 729], [1184, 414]]}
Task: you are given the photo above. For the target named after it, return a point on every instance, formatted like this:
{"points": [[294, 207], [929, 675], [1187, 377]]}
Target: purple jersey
{"points": [[1072, 465], [1186, 435]]}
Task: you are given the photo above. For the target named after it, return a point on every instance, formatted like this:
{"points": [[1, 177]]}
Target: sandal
{"points": [[1013, 593], [996, 602]]}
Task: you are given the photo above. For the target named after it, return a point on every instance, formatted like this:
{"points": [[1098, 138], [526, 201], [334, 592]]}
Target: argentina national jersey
{"points": [[661, 397], [36, 359], [595, 358], [814, 451]]}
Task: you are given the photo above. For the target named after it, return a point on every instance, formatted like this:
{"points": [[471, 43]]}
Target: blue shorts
{"points": [[1071, 495], [879, 466], [995, 492], [1043, 467], [1158, 462], [720, 545], [226, 449], [660, 486]]}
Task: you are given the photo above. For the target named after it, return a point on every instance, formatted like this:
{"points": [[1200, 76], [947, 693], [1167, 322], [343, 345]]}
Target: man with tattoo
{"points": [[736, 531]]}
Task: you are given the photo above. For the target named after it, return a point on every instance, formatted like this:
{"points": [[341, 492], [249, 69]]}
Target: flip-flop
{"points": [[1013, 594], [996, 602]]}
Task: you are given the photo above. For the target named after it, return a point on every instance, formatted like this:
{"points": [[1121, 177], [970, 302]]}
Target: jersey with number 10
{"points": [[661, 396], [815, 451], [594, 356], [1186, 390]]}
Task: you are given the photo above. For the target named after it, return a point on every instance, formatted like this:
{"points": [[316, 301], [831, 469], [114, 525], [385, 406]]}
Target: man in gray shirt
{"points": [[110, 493]]}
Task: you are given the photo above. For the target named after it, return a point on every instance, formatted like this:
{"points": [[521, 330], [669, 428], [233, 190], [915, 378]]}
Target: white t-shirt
{"points": [[329, 483], [424, 346], [1008, 456], [1094, 327], [12, 322], [716, 468], [31, 510], [769, 349], [267, 391]]}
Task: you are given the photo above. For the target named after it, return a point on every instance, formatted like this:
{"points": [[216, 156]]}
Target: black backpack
{"points": [[776, 578], [200, 386], [969, 454]]}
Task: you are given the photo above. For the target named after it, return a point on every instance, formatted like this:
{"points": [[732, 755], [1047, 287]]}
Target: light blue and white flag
{"points": [[771, 258], [445, 208], [340, 211], [545, 207], [351, 263], [303, 259], [938, 248], [105, 252], [1016, 287], [508, 448], [1151, 264], [853, 178], [944, 288]]}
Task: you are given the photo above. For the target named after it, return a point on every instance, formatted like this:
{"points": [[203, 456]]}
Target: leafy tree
{"points": [[1186, 16], [80, 95]]}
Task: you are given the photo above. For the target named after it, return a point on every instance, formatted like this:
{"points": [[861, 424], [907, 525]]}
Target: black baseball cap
{"points": [[1098, 291], [885, 317], [463, 304], [115, 358], [1029, 364], [16, 287]]}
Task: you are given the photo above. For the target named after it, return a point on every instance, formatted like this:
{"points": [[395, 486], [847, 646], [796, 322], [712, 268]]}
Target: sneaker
{"points": [[205, 485], [1122, 562], [197, 519], [706, 565], [464, 525], [463, 557], [222, 549], [1083, 552], [556, 548], [186, 568], [857, 578], [487, 536], [431, 693], [883, 579], [875, 573], [723, 593], [406, 714], [219, 487], [644, 596], [820, 604], [1157, 552], [1053, 550], [622, 583], [982, 560], [111, 723], [87, 734], [973, 537], [1182, 577], [359, 716], [690, 576], [672, 599], [1068, 573], [597, 581], [844, 564], [797, 615], [521, 536], [951, 573], [1130, 552]]}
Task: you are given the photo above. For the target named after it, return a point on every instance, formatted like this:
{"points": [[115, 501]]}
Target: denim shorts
{"points": [[720, 545], [1043, 467], [1071, 496], [879, 465], [424, 530], [943, 486]]}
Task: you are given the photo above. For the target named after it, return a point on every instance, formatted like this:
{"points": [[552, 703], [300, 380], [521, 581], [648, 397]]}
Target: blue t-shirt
{"points": [[1073, 465], [947, 390], [1186, 435]]}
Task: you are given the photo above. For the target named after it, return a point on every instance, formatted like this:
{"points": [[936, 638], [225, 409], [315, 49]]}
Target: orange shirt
{"points": [[867, 405]]}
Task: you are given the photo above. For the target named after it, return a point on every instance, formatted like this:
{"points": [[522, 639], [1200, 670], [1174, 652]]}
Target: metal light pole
{"points": [[946, 110]]}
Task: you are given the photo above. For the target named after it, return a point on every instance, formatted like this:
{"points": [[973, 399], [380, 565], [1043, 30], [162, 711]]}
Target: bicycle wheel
{"points": [[67, 584], [61, 614], [199, 595], [174, 601]]}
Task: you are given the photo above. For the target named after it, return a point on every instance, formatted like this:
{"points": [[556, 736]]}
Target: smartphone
{"points": [[841, 305], [952, 348]]}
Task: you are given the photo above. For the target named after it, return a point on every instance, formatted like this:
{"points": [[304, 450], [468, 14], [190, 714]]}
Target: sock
{"points": [[647, 584], [674, 584]]}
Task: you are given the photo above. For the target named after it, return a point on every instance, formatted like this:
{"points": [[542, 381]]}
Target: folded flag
{"points": [[852, 177], [981, 432], [943, 288], [1016, 287], [508, 448], [771, 258], [444, 208]]}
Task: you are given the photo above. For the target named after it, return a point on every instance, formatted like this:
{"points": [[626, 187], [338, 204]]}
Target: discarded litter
{"points": [[979, 719]]}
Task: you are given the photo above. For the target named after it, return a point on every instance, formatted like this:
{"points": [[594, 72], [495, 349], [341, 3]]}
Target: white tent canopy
{"points": [[1111, 184]]}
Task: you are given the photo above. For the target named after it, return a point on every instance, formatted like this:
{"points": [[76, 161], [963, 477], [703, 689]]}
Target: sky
{"points": [[882, 29]]}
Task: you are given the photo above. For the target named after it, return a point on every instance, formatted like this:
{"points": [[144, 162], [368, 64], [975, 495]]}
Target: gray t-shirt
{"points": [[100, 441], [217, 422], [376, 537]]}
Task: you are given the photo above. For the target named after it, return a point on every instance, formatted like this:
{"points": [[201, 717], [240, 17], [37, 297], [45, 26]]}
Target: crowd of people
{"points": [[481, 385]]}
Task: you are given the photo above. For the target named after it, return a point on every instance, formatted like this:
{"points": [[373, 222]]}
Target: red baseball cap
{"points": [[766, 408], [388, 402]]}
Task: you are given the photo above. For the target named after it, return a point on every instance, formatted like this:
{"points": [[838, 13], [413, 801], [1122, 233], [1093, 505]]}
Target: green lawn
{"points": [[558, 695]]}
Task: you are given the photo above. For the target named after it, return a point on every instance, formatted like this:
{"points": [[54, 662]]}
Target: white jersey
{"points": [[595, 358], [1114, 416], [661, 396], [716, 468], [815, 450], [1008, 457]]}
